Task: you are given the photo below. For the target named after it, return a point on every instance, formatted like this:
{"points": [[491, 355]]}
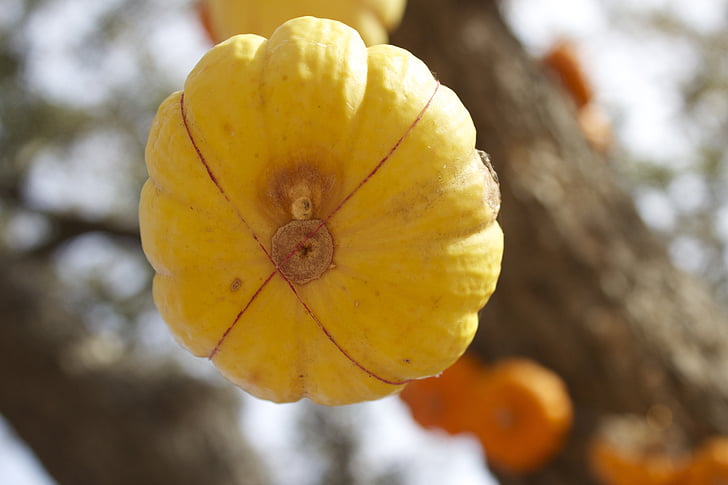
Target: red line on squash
{"points": [[240, 216], [214, 180], [240, 314], [386, 157], [197, 149], [339, 347]]}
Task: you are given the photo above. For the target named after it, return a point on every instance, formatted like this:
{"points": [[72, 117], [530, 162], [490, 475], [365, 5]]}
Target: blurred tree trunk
{"points": [[585, 289], [95, 416]]}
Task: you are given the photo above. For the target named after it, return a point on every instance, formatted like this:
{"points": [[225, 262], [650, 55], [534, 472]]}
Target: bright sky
{"points": [[637, 78], [634, 80], [636, 75], [18, 466]]}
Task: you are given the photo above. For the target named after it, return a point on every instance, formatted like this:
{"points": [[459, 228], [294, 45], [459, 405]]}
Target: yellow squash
{"points": [[372, 18], [319, 220]]}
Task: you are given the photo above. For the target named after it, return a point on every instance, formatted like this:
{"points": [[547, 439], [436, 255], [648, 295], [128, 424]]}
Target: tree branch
{"points": [[67, 226]]}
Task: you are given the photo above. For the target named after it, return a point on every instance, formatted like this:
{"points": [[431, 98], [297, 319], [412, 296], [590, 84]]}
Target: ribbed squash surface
{"points": [[313, 126]]}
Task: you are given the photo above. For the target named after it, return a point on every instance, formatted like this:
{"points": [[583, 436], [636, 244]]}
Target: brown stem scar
{"points": [[300, 258]]}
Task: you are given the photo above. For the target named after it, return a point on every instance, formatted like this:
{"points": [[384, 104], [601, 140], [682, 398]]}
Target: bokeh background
{"points": [[80, 81]]}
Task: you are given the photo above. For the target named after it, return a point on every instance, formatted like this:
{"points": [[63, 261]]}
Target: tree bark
{"points": [[96, 416], [585, 288]]}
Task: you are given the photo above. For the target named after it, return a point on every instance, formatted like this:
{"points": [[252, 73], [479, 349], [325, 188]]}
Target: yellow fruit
{"points": [[319, 221], [372, 18]]}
